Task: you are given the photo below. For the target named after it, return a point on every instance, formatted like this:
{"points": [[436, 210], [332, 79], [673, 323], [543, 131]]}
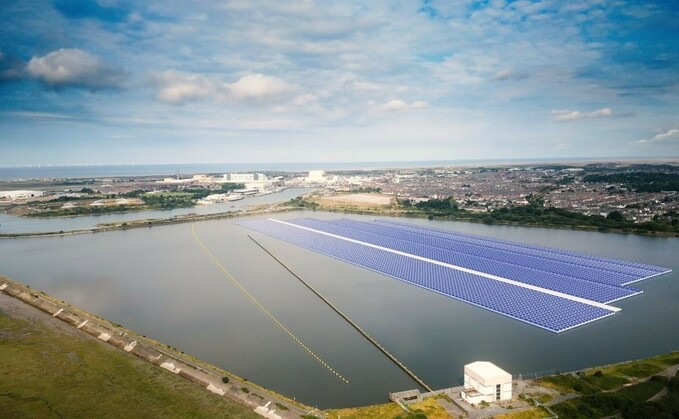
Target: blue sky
{"points": [[125, 82]]}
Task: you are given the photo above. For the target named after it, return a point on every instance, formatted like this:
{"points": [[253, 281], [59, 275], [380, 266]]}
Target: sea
{"points": [[97, 171]]}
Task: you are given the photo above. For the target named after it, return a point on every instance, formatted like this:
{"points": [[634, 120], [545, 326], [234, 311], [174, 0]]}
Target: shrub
{"points": [[225, 380], [245, 389]]}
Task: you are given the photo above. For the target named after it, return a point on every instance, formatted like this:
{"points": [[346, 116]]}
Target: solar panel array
{"points": [[606, 270], [565, 291]]}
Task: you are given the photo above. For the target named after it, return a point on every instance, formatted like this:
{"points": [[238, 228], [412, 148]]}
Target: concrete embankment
{"points": [[262, 401]]}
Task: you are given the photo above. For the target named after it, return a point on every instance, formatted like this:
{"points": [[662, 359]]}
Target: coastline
{"points": [[189, 218], [556, 391], [151, 351], [148, 223]]}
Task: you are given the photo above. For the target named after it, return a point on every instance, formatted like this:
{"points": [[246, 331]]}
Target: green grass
{"points": [[667, 360], [643, 391], [428, 407], [608, 404], [568, 383], [544, 398], [537, 413], [47, 373], [389, 410], [171, 194], [639, 369], [605, 381]]}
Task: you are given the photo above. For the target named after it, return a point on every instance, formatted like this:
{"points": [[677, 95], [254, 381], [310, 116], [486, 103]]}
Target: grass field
{"points": [[50, 373], [610, 377], [537, 413], [428, 406], [609, 404]]}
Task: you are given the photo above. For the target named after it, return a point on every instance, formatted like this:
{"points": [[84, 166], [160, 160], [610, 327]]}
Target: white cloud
{"points": [[178, 88], [256, 87], [74, 68], [395, 105], [672, 133], [567, 115]]}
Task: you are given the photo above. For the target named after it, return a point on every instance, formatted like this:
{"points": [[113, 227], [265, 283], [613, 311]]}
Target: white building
{"points": [[14, 195], [245, 177], [257, 181], [484, 381], [316, 176]]}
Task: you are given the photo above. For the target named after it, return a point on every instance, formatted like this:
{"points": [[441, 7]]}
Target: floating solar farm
{"points": [[554, 289]]}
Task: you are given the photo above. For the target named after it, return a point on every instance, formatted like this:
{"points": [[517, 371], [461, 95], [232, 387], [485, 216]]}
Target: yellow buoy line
{"points": [[261, 307], [353, 324]]}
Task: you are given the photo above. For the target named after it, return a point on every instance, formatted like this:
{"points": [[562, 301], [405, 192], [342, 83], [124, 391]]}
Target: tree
{"points": [[615, 216]]}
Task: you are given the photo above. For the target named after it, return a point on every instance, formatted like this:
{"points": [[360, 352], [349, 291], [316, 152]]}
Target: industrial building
{"points": [[486, 382], [245, 177], [316, 176], [254, 182]]}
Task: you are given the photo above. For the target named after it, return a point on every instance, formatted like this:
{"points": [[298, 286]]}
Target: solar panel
{"points": [[629, 272], [483, 261], [501, 277]]}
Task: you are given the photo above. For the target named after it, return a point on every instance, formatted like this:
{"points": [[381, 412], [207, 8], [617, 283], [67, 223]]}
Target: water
{"points": [[158, 282], [10, 224], [61, 172]]}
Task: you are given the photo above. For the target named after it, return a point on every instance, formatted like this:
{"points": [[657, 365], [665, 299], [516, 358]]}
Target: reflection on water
{"points": [[159, 282]]}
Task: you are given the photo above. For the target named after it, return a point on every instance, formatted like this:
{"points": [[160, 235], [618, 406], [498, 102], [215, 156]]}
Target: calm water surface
{"points": [[10, 224], [158, 282]]}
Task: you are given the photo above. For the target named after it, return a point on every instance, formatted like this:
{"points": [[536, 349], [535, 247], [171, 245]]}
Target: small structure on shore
{"points": [[486, 382]]}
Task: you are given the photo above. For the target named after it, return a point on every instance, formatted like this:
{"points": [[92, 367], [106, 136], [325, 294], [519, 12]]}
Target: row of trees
{"points": [[79, 210], [536, 214], [639, 181]]}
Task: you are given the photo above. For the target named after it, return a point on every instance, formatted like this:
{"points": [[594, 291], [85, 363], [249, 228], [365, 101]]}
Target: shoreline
{"points": [[149, 222], [189, 218], [73, 320], [164, 356]]}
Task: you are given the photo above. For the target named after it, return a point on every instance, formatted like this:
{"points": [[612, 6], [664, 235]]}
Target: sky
{"points": [[237, 81]]}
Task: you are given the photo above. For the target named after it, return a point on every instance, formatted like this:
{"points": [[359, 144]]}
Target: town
{"points": [[606, 189]]}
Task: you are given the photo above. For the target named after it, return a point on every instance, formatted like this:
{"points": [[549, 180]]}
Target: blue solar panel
{"points": [[531, 306], [580, 265], [484, 261]]}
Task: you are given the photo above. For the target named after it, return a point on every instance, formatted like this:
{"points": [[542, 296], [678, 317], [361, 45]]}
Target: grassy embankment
{"points": [[537, 413], [620, 389], [428, 408], [253, 389], [49, 373]]}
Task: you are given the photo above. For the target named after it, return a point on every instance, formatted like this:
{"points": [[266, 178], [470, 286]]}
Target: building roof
{"points": [[487, 373]]}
